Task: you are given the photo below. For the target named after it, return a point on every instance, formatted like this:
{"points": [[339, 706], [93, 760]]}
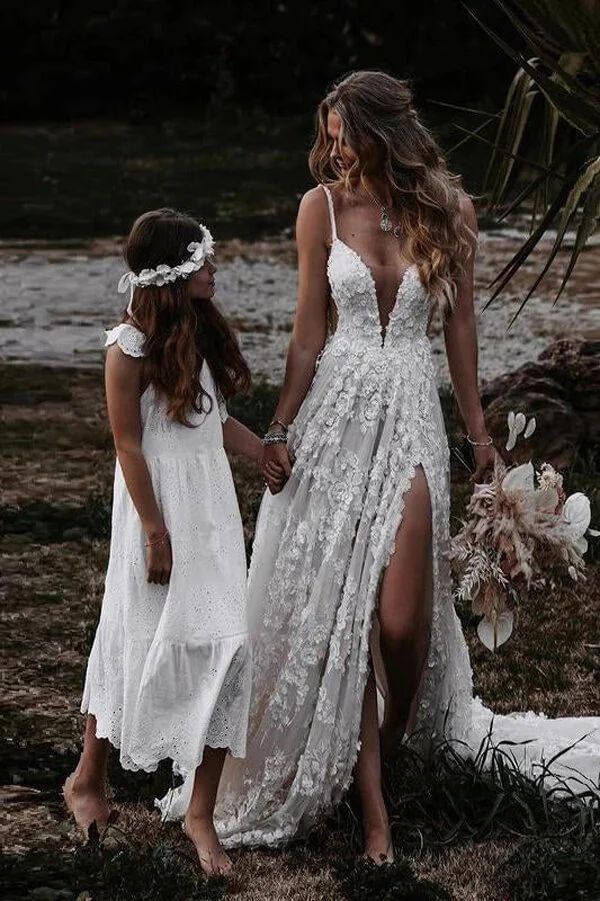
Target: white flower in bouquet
{"points": [[548, 477], [576, 515], [521, 530], [517, 423]]}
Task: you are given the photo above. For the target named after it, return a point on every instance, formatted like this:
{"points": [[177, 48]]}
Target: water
{"points": [[55, 303]]}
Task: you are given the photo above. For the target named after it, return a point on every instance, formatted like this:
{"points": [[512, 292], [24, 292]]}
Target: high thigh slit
{"points": [[401, 631]]}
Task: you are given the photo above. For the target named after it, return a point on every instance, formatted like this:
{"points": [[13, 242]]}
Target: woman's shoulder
{"points": [[313, 195], [315, 199], [467, 208], [313, 216], [128, 338]]}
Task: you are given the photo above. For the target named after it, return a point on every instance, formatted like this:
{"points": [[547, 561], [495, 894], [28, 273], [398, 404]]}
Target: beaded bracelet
{"points": [[274, 439]]}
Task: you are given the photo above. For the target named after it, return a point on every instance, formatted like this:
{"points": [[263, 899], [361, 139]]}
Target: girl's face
{"points": [[201, 285], [341, 154]]}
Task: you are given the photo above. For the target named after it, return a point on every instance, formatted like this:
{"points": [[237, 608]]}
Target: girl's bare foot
{"points": [[211, 854], [379, 847], [87, 803]]}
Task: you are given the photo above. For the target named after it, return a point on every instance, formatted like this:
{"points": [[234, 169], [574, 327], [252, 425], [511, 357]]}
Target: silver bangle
{"points": [[279, 423], [474, 443]]}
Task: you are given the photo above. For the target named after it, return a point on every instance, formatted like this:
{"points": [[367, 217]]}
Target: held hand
{"points": [[276, 466], [159, 560], [275, 482]]}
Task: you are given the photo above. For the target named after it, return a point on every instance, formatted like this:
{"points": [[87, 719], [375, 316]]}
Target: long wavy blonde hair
{"points": [[391, 144]]}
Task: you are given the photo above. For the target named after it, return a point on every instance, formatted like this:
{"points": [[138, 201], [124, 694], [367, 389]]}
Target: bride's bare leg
{"points": [[198, 823], [376, 827], [405, 607]]}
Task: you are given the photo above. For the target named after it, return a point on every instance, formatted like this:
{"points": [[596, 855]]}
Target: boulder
{"points": [[562, 390]]}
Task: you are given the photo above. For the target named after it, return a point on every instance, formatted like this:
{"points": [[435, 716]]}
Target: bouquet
{"points": [[521, 530]]}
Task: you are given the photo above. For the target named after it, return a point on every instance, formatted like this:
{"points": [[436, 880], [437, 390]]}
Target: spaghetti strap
{"points": [[331, 212]]}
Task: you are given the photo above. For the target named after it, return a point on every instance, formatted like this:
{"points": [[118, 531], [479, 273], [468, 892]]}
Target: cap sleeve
{"points": [[129, 339]]}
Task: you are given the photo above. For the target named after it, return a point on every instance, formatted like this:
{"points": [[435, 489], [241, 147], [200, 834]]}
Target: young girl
{"points": [[169, 671]]}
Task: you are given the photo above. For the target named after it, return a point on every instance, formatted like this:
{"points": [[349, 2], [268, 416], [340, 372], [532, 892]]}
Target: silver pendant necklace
{"points": [[386, 223]]}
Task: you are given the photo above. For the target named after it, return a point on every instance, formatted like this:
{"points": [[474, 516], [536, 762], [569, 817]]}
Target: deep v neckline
{"points": [[383, 329]]}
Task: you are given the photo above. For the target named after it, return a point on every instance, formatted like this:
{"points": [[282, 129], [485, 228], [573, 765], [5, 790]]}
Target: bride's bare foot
{"points": [[379, 847], [87, 803], [211, 854]]}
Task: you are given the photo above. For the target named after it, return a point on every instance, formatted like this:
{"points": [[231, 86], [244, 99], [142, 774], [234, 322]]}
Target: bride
{"points": [[350, 598]]}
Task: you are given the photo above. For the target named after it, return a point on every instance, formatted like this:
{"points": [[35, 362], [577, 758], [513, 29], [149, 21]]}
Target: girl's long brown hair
{"points": [[180, 332], [381, 126]]}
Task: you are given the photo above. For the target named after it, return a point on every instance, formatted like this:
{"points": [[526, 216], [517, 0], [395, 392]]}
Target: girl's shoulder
{"points": [[128, 338]]}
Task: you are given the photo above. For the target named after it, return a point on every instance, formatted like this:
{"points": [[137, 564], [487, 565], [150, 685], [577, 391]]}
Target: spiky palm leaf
{"points": [[561, 67]]}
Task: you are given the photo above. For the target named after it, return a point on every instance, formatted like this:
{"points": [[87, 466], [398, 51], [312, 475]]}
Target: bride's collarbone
{"points": [[384, 259]]}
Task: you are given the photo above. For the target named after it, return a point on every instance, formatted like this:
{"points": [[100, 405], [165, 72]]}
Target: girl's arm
{"points": [[460, 334], [123, 384], [310, 322], [238, 439]]}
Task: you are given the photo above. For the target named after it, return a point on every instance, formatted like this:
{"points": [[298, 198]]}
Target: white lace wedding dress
{"points": [[371, 416]]}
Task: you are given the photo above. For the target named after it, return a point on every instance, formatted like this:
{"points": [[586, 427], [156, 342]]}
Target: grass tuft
{"points": [[365, 881], [448, 798]]}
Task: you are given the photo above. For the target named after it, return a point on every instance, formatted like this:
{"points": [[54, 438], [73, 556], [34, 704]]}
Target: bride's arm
{"points": [[460, 334], [310, 321]]}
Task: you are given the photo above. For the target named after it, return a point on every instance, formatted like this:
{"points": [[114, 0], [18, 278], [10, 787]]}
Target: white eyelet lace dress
{"points": [[371, 416], [170, 667]]}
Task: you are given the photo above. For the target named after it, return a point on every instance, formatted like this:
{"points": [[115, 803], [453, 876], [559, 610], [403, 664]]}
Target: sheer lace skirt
{"points": [[321, 546]]}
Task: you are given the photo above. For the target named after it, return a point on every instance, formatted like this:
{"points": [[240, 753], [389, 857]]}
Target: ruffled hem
{"points": [[233, 746], [177, 698]]}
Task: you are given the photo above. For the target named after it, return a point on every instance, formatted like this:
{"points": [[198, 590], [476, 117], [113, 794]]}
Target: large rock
{"points": [[562, 391]]}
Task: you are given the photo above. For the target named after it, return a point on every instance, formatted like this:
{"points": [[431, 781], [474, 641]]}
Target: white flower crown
{"points": [[163, 274]]}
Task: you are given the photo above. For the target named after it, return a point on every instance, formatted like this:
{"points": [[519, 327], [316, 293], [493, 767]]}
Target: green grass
{"points": [[89, 180], [242, 173]]}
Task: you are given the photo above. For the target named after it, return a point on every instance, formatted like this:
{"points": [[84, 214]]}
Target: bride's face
{"points": [[201, 285], [341, 154]]}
